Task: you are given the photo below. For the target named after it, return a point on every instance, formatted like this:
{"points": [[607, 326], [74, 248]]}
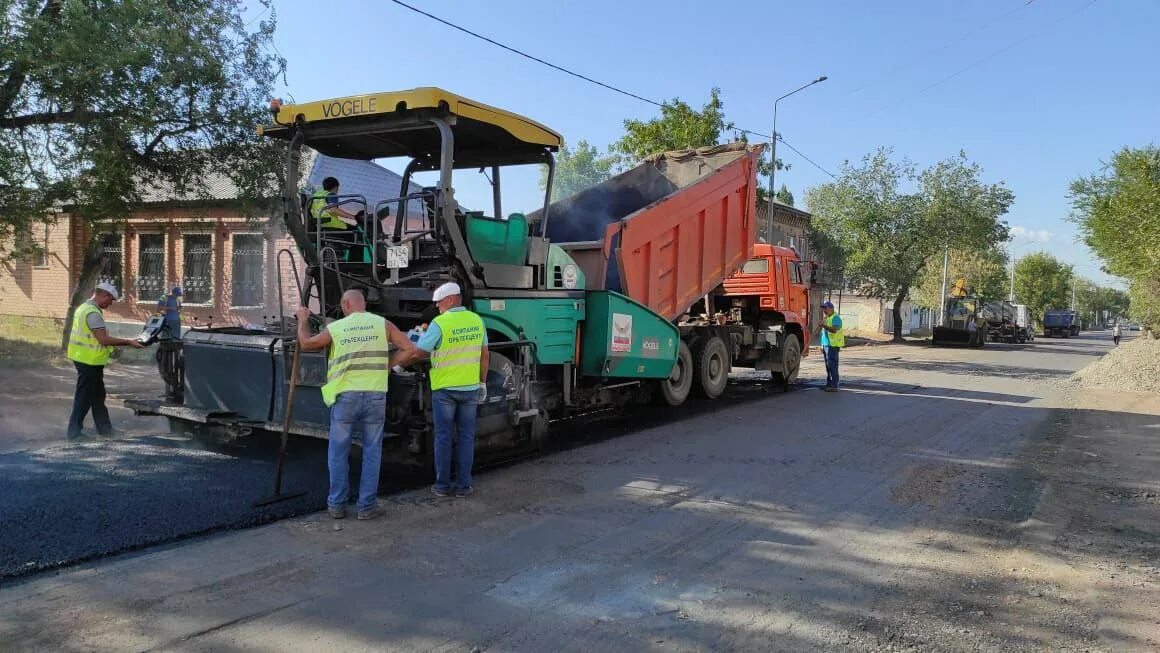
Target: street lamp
{"points": [[773, 155]]}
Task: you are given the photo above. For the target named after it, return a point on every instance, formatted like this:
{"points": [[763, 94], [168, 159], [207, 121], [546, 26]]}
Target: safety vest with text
{"points": [[82, 344], [359, 359], [456, 362], [319, 211], [835, 338]]}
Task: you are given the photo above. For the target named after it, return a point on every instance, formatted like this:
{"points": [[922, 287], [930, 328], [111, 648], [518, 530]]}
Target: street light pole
{"points": [[942, 301], [773, 159]]}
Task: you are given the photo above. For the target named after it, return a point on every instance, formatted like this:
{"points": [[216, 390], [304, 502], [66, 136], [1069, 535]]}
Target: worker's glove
{"points": [[482, 397]]}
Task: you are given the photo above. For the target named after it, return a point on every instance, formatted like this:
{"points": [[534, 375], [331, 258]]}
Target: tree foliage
{"points": [[1118, 214], [100, 100], [1092, 301], [985, 272], [1042, 282], [577, 169], [891, 220], [679, 127], [784, 196]]}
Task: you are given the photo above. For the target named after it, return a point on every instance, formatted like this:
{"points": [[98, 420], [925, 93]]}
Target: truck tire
{"points": [[710, 366], [791, 362], [675, 389]]}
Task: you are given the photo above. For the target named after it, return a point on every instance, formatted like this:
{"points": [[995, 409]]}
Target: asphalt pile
{"points": [[1133, 366]]}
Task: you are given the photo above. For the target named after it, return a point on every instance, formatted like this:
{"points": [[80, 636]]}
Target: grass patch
{"points": [[30, 340]]}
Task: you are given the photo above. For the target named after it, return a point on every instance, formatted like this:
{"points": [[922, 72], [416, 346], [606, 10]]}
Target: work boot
{"points": [[464, 492], [336, 512], [370, 513], [439, 492]]}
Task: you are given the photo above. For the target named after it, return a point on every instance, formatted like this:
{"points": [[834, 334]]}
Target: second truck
{"points": [[646, 287]]}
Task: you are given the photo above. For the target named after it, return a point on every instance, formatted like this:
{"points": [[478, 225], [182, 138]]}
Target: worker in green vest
{"points": [[324, 207], [833, 339], [456, 343], [89, 348], [357, 373]]}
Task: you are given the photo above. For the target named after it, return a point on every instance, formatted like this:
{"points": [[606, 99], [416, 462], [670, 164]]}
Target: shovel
{"points": [[278, 496]]}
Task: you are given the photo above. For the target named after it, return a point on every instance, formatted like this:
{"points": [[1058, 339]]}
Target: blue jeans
{"points": [[454, 412], [368, 410], [831, 356]]}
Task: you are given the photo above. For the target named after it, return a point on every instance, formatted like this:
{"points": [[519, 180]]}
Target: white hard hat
{"points": [[109, 288], [448, 289]]}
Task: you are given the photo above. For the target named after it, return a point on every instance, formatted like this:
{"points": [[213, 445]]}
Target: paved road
{"points": [[806, 521]]}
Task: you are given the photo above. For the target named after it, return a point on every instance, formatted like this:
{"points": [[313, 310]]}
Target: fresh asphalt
{"points": [[66, 504]]}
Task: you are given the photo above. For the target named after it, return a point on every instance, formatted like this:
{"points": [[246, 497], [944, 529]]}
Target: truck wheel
{"points": [[675, 389], [791, 362], [710, 366]]}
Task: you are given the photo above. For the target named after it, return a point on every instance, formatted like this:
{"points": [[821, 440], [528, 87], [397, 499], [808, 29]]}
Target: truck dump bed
{"points": [[667, 232]]}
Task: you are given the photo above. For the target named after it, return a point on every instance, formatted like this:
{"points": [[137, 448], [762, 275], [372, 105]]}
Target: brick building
{"points": [[227, 264]]}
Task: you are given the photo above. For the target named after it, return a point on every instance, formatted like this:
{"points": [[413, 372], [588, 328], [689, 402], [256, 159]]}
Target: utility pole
{"points": [[1011, 299], [773, 160], [942, 301]]}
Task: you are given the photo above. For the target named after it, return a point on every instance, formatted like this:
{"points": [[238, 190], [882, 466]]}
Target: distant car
{"points": [[1133, 327]]}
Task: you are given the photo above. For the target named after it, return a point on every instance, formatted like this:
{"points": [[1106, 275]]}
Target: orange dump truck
{"points": [[677, 235]]}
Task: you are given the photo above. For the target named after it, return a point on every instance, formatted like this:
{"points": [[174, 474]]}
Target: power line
{"points": [[912, 61], [586, 78], [977, 62], [528, 56], [808, 159]]}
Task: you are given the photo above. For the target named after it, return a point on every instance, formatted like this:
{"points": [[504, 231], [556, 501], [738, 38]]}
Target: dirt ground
{"points": [[944, 500], [37, 398]]}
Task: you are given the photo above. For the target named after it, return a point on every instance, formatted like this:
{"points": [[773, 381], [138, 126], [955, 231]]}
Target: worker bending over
{"points": [[456, 343], [89, 348], [357, 374]]}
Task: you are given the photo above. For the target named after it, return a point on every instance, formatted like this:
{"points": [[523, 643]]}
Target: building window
{"points": [[248, 267], [197, 271], [113, 270], [40, 255], [150, 267]]}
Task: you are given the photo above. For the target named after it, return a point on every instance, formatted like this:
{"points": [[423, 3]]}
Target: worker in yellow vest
{"points": [[89, 348], [324, 207], [833, 339], [357, 373], [456, 343]]}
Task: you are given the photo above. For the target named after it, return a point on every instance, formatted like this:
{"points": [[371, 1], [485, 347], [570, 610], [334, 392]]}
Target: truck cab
{"points": [[771, 290]]}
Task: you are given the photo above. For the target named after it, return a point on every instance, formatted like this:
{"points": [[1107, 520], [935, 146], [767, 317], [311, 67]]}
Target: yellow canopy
{"points": [[383, 125]]}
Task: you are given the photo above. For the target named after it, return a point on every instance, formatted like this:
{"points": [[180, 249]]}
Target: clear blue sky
{"points": [[1038, 93]]}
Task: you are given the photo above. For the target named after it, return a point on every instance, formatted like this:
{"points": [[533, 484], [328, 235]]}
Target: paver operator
{"points": [[456, 343], [833, 339], [324, 207], [89, 348], [357, 374]]}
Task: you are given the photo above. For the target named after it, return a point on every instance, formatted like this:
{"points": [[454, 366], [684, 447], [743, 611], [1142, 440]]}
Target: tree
{"points": [[985, 272], [1095, 303], [102, 99], [577, 169], [784, 196], [891, 221], [679, 127], [1118, 214], [1042, 282]]}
